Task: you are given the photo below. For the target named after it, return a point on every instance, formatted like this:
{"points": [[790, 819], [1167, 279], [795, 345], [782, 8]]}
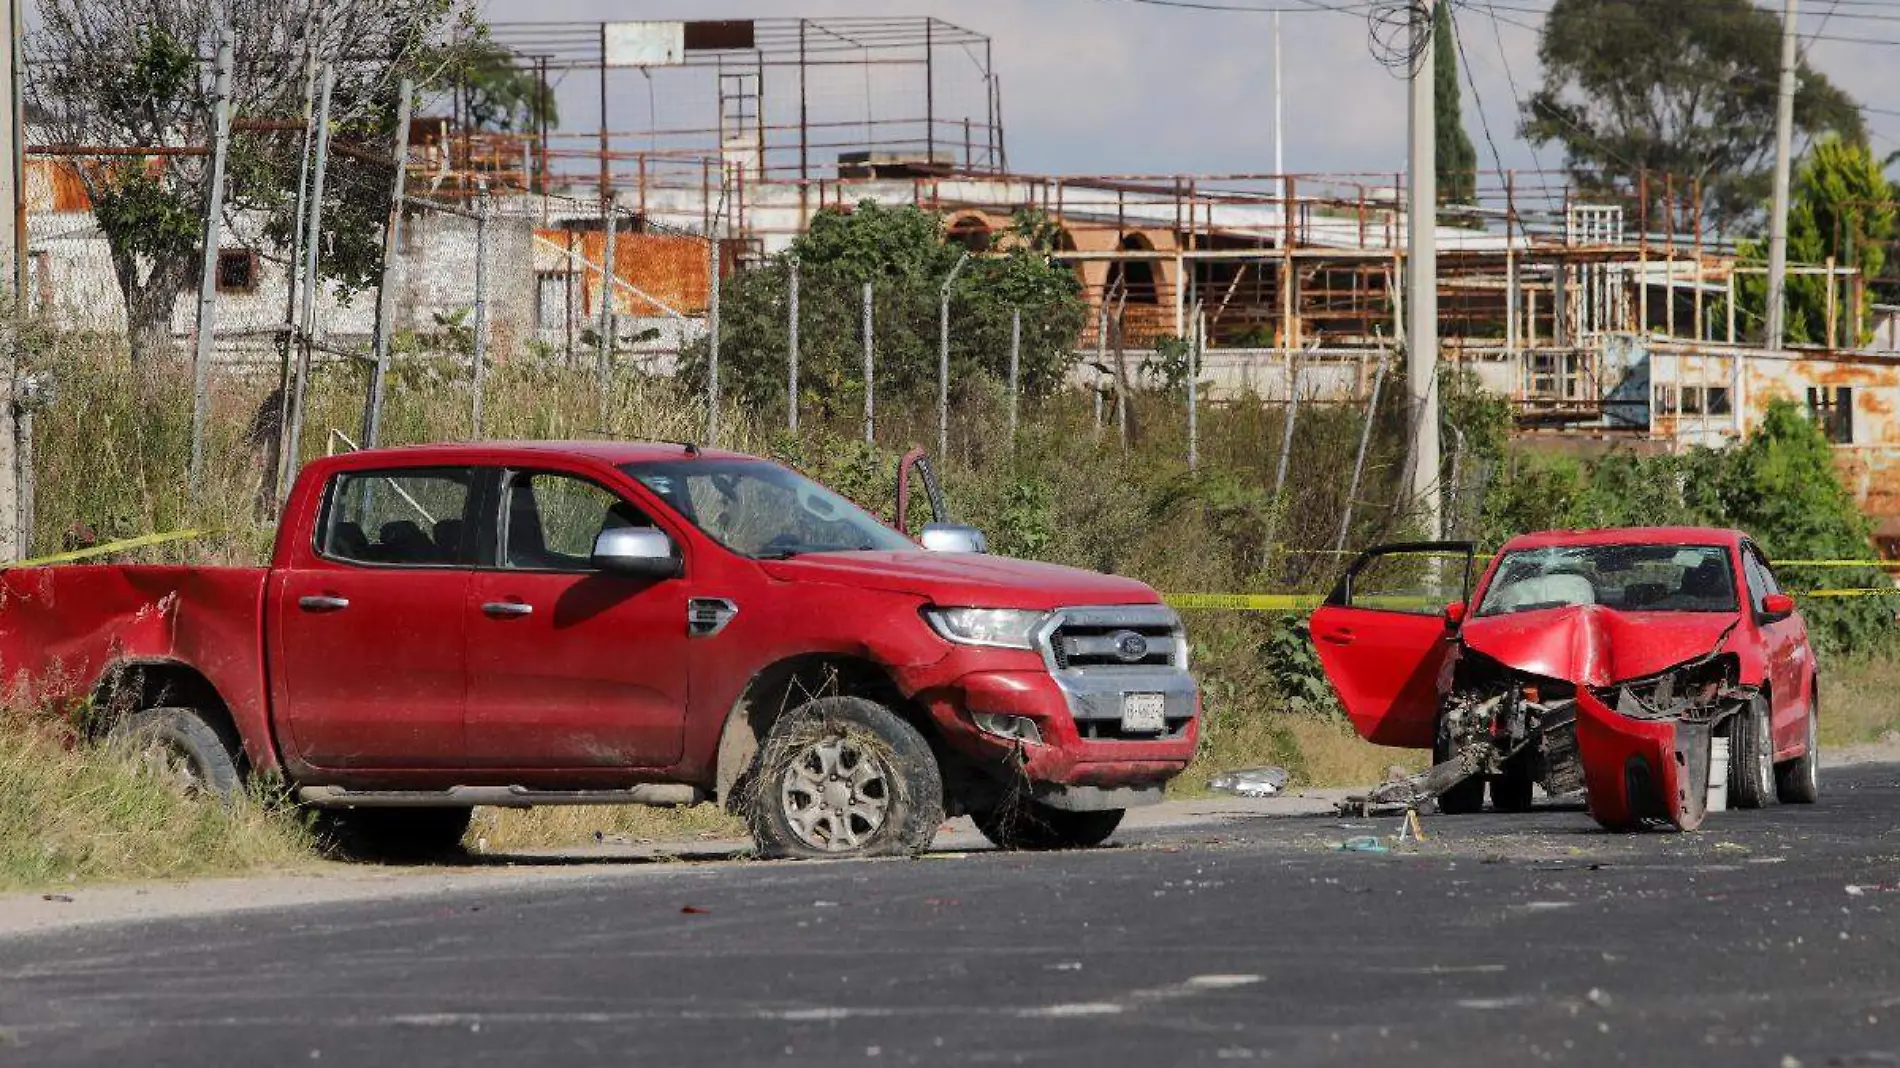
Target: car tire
{"points": [[844, 777], [394, 835], [1798, 781], [181, 744], [1036, 827], [1511, 791], [1751, 757], [1466, 797]]}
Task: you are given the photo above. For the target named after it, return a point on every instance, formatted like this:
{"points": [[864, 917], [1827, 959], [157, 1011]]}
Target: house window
{"points": [[237, 270], [1834, 410], [552, 289]]}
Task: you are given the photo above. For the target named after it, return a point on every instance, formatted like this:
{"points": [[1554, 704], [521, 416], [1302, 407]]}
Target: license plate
{"points": [[1144, 713]]}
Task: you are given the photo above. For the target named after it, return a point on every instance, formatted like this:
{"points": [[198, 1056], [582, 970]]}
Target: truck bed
{"points": [[64, 629]]}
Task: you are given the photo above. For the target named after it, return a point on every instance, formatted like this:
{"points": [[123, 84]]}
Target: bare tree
{"points": [[136, 74]]}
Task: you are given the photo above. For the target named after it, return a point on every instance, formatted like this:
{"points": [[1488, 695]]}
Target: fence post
{"points": [[1015, 370], [480, 362], [609, 274], [1359, 464], [1286, 450], [311, 281], [278, 480], [208, 268], [385, 297], [1101, 357], [1196, 339], [791, 329], [870, 386], [943, 357], [713, 271]]}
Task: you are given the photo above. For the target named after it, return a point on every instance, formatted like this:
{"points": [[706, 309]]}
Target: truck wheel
{"points": [[1751, 757], [1511, 790], [1798, 781], [180, 745], [394, 835], [844, 777], [1466, 797], [1033, 825]]}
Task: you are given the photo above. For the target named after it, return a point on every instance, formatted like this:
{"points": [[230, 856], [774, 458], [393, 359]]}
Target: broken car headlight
{"points": [[1004, 628]]}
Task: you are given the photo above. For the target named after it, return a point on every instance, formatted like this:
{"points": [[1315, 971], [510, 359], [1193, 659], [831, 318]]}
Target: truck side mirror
{"points": [[642, 551], [953, 538], [1776, 607]]}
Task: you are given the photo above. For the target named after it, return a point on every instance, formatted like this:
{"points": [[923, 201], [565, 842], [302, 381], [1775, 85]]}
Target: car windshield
{"points": [[1631, 578], [765, 511]]}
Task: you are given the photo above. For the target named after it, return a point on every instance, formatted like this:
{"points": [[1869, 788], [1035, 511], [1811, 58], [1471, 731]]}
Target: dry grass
{"points": [[1860, 701], [78, 814], [501, 830]]}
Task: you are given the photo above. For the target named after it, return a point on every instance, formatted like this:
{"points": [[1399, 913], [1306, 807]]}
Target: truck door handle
{"points": [[507, 609], [323, 603]]}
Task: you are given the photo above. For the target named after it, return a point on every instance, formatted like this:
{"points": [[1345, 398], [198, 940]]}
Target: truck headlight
{"points": [[1004, 628]]}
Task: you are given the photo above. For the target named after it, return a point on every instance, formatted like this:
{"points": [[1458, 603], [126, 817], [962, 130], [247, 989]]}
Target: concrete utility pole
{"points": [[386, 289], [1784, 149], [1279, 105], [1421, 335], [208, 268], [16, 424]]}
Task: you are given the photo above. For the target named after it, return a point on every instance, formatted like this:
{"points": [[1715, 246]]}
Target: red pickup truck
{"points": [[541, 623]]}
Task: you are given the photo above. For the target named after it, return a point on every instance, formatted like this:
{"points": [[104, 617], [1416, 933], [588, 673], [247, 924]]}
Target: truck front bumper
{"points": [[1085, 759]]}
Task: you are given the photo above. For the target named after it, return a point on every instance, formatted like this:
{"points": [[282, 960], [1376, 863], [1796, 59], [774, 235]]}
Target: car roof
{"points": [[606, 451], [1626, 536]]}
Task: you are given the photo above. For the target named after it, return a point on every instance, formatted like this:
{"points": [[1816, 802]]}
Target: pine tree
{"points": [[1457, 161]]}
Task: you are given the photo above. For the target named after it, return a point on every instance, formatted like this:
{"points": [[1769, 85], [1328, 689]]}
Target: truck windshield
{"points": [[1631, 578], [765, 511]]}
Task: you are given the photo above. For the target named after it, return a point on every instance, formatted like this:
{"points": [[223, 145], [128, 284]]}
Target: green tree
{"points": [[1844, 208], [1688, 89], [104, 74], [902, 253], [1457, 161], [500, 92]]}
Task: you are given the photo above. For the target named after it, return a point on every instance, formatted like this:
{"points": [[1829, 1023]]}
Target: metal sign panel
{"points": [[643, 44]]}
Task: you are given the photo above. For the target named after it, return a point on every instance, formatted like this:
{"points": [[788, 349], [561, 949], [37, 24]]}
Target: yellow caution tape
{"points": [[140, 542], [1245, 602]]}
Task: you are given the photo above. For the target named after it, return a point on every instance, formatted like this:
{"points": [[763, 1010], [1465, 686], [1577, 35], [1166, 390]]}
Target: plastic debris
{"points": [[1364, 843], [1250, 782]]}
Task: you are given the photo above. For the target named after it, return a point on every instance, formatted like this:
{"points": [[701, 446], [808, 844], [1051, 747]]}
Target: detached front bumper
{"points": [[1086, 759], [1642, 769]]}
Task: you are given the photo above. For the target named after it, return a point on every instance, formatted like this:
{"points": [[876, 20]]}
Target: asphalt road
{"points": [[1770, 938]]}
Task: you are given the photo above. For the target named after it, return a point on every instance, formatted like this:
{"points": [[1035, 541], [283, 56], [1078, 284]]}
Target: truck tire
{"points": [[394, 835], [1466, 797], [180, 744], [1798, 781], [1032, 825], [844, 777], [1751, 757]]}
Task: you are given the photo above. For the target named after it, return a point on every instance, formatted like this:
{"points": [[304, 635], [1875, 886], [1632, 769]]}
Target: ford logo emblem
{"points": [[1129, 647]]}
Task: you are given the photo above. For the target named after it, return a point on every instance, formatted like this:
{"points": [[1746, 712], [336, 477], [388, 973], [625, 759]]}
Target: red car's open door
{"points": [[1383, 637]]}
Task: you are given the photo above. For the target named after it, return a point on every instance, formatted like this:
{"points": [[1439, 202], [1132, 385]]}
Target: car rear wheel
{"points": [[844, 777], [181, 746], [1032, 825], [1751, 757], [1798, 781]]}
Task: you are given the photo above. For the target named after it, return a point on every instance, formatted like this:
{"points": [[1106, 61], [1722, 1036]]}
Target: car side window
{"points": [[550, 521], [410, 517]]}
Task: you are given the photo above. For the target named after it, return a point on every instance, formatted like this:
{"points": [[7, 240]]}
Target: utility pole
{"points": [[1784, 149], [1421, 335], [385, 289], [1279, 106], [943, 359], [16, 419]]}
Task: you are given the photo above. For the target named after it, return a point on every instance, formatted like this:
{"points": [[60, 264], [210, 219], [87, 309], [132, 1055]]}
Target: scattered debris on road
{"points": [[1250, 782]]}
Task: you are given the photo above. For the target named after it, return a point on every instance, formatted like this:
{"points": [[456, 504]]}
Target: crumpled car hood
{"points": [[965, 579], [1591, 645]]}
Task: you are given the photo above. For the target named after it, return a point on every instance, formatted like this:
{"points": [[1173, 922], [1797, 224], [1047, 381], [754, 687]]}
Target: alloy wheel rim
{"points": [[835, 795], [1765, 758]]}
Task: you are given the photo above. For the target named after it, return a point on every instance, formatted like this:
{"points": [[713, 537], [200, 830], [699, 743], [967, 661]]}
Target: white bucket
{"points": [[1718, 774]]}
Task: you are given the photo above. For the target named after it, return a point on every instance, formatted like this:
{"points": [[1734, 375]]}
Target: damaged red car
{"points": [[1621, 662]]}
